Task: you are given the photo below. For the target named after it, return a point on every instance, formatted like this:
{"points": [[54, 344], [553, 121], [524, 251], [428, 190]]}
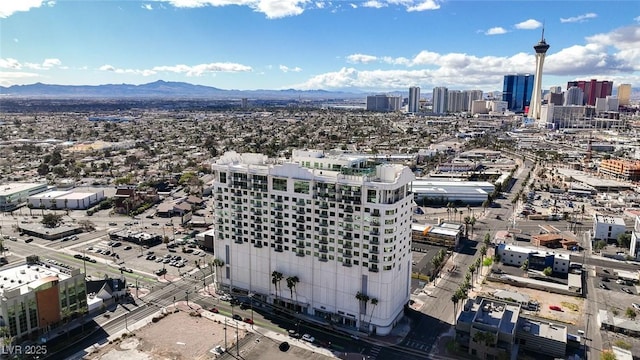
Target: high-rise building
{"points": [[414, 99], [440, 100], [574, 96], [337, 226], [383, 103], [455, 101], [469, 97], [536, 98], [593, 89], [517, 90], [624, 94], [556, 89]]}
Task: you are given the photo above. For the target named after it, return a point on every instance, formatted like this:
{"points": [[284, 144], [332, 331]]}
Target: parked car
{"points": [[603, 286], [214, 310], [219, 350], [91, 260], [627, 290], [248, 320], [113, 224], [309, 338], [78, 256], [128, 247], [555, 308], [160, 272], [636, 306], [294, 334], [28, 240], [237, 317], [125, 269]]}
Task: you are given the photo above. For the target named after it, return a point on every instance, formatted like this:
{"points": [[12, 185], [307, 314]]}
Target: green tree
{"points": [[631, 314], [547, 271], [51, 220], [624, 240], [292, 281], [607, 355], [487, 239], [599, 245], [218, 263], [374, 302], [363, 299], [525, 265]]}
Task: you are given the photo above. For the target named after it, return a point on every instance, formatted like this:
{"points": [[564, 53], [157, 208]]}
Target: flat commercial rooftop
{"points": [[545, 329], [12, 188], [26, 277]]}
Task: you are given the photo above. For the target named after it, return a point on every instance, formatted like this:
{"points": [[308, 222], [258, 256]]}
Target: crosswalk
{"points": [[417, 345], [374, 352]]}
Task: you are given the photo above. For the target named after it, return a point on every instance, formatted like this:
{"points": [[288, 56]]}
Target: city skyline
{"points": [[260, 44]]}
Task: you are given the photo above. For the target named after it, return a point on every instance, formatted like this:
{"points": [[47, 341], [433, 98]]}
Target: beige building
{"points": [[624, 94]]}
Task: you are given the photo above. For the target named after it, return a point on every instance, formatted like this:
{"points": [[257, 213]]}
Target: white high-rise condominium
{"points": [[469, 97], [440, 100], [414, 99], [574, 96], [333, 233], [455, 101], [555, 89]]}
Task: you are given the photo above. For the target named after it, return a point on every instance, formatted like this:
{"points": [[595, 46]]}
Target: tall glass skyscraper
{"points": [[517, 90]]}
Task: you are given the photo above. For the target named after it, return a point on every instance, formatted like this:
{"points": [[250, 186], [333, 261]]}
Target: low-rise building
{"points": [[634, 248], [445, 234], [624, 169], [68, 199], [537, 259], [607, 227], [13, 195], [38, 296], [136, 237]]}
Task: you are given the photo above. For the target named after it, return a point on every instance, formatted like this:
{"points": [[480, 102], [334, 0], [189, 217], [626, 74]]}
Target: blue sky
{"points": [[375, 45]]}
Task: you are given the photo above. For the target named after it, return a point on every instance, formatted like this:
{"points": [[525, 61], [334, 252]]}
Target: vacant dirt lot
{"points": [[177, 336]]}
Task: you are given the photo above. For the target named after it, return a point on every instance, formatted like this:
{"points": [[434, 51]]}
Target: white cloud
{"points": [[637, 18], [579, 18], [147, 7], [10, 7], [614, 55], [374, 4], [188, 70], [354, 6], [285, 69], [528, 24], [361, 58], [424, 6], [14, 64], [11, 78], [496, 31], [320, 5], [273, 9], [10, 63]]}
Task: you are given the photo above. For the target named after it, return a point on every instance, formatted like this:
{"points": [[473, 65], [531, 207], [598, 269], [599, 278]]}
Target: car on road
{"points": [[248, 320], [128, 224], [155, 224], [214, 310], [294, 334], [28, 240], [627, 290], [226, 298], [160, 272], [219, 350], [636, 306], [78, 256], [237, 317], [113, 224], [128, 247], [603, 286], [605, 279], [308, 338], [91, 260], [555, 308], [125, 269], [620, 281]]}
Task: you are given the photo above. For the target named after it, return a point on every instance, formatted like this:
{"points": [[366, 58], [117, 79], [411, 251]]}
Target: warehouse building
{"points": [[12, 195], [67, 199]]}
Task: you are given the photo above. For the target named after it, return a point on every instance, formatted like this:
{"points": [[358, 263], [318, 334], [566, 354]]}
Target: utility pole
{"points": [[225, 332], [237, 340], [187, 296]]}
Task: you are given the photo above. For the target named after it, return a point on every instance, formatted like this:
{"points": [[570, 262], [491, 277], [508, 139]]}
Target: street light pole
{"points": [[187, 296]]}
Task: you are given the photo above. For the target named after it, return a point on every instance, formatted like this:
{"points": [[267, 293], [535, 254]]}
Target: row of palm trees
{"points": [[463, 290], [292, 281], [363, 299]]}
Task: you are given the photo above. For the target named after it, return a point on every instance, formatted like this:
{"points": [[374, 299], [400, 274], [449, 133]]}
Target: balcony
{"points": [[300, 237], [278, 249], [324, 232], [324, 250], [258, 220], [347, 264], [300, 211], [324, 215], [374, 251], [238, 202], [279, 216], [278, 241], [278, 208], [374, 232], [348, 246], [324, 223], [278, 199], [374, 260], [300, 245], [238, 241], [218, 206], [278, 224], [324, 206], [218, 190], [257, 244], [300, 219], [300, 202], [374, 241], [321, 241], [300, 253], [323, 259], [375, 213], [348, 219], [348, 254], [347, 236], [257, 197], [300, 228], [348, 227], [373, 269], [258, 237], [257, 204], [219, 198], [219, 221], [278, 233], [375, 223], [348, 209]]}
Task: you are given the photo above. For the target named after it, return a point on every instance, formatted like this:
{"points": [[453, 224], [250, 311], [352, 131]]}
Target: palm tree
{"points": [[66, 205], [291, 284], [374, 302], [362, 300], [472, 269], [467, 220], [218, 263], [525, 265], [455, 299], [449, 208], [472, 222], [276, 277]]}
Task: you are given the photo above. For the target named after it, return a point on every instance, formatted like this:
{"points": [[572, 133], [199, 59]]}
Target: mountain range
{"points": [[166, 89]]}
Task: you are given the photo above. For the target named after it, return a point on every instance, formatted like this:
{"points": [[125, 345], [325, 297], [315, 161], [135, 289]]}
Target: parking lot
{"points": [[607, 280]]}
